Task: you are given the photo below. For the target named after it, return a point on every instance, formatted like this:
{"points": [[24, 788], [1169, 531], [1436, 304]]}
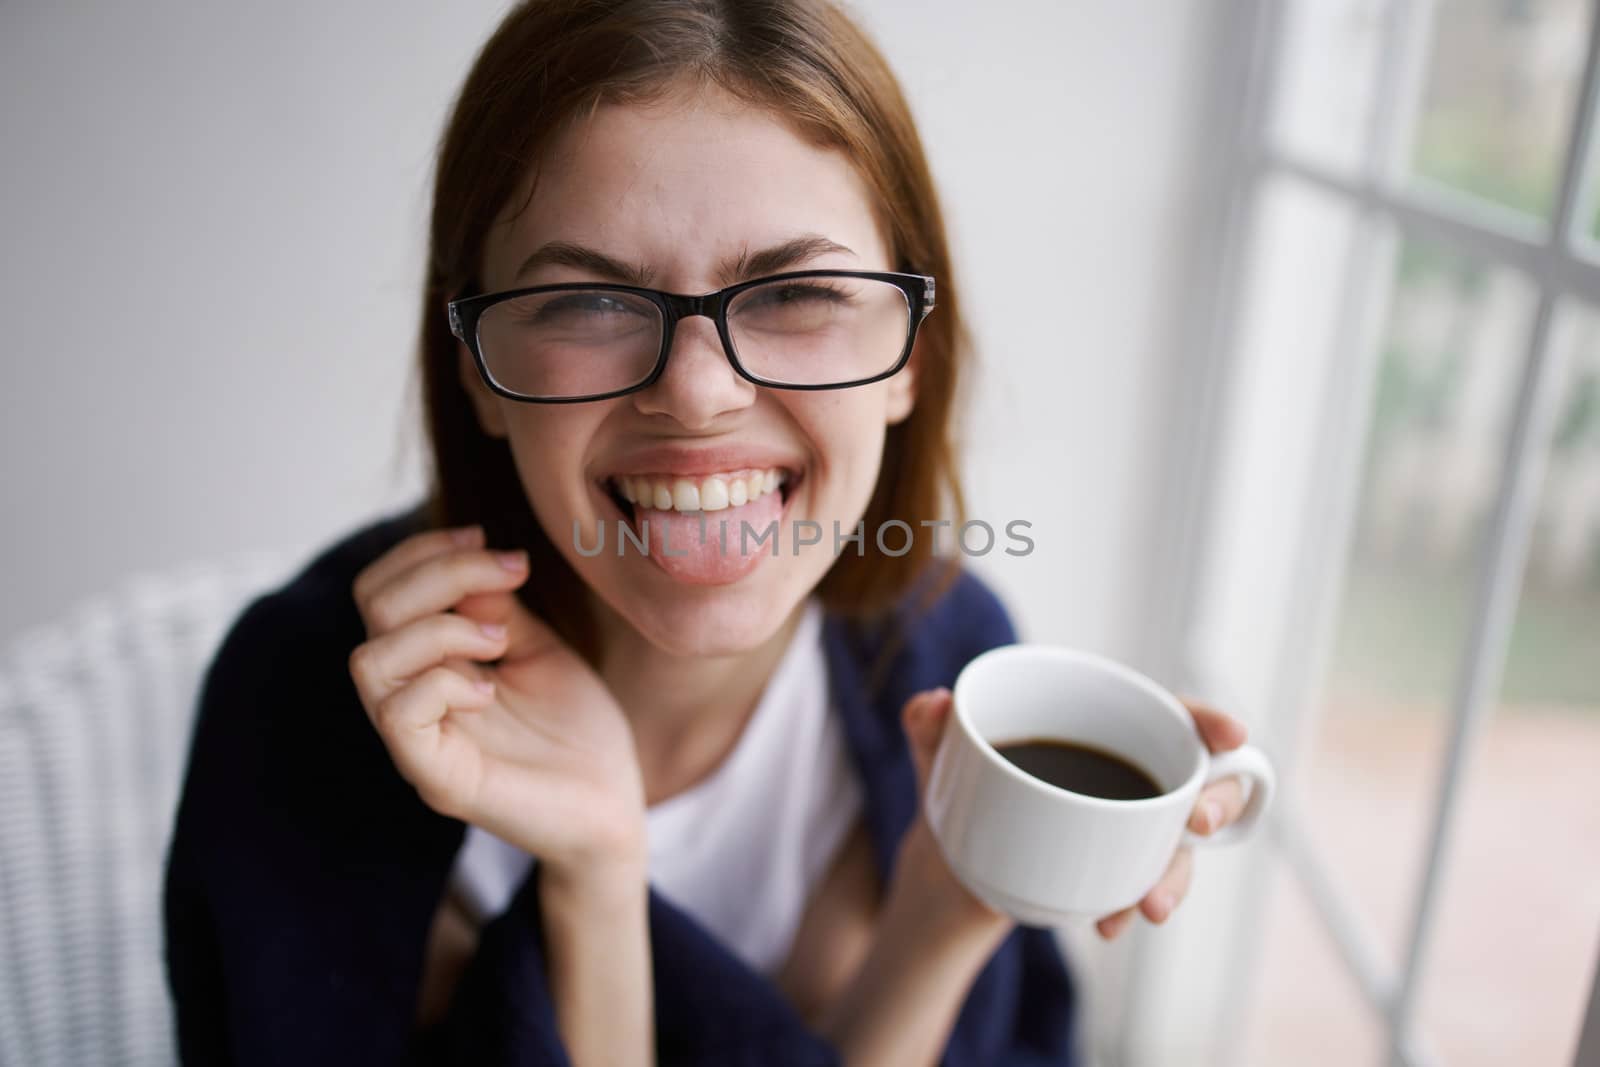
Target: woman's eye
{"points": [[796, 307], [583, 304], [802, 294]]}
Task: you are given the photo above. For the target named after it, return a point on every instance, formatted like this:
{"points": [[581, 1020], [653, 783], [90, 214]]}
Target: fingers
{"points": [[526, 634], [1113, 924], [924, 717], [420, 704], [410, 552], [408, 721], [1219, 804], [1159, 902], [436, 584], [388, 661], [1220, 730]]}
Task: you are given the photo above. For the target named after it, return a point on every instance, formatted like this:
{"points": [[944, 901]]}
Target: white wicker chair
{"points": [[95, 715]]}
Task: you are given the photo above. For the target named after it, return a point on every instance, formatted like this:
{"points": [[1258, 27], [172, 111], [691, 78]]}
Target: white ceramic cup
{"points": [[1046, 855]]}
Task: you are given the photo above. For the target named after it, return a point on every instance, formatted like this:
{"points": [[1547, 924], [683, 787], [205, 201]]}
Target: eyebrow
{"points": [[746, 264]]}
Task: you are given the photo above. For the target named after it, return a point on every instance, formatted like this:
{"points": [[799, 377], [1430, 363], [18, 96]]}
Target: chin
{"points": [[711, 620], [685, 619]]}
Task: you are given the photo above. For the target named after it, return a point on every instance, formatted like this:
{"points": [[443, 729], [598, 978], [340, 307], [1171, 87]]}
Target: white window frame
{"points": [[1185, 994]]}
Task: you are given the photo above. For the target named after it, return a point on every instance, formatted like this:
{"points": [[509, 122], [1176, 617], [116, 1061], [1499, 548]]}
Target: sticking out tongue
{"points": [[689, 545]]}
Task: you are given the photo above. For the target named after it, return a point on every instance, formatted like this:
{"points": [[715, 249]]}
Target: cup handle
{"points": [[1255, 772]]}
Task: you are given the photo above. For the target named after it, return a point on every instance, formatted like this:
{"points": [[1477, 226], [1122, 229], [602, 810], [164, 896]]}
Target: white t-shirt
{"points": [[743, 849]]}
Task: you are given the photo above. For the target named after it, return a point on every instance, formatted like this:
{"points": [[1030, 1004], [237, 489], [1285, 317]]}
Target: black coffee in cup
{"points": [[1081, 768]]}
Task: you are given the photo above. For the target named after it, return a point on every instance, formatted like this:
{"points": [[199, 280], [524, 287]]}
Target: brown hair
{"points": [[552, 61]]}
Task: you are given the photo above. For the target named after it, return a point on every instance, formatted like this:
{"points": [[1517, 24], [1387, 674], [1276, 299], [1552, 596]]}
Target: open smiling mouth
{"points": [[639, 496], [710, 529]]}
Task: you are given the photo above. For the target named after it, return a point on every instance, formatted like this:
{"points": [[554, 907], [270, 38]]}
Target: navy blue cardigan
{"points": [[305, 873]]}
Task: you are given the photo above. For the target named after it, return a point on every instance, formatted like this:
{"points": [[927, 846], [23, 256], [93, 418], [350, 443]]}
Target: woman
{"points": [[574, 651]]}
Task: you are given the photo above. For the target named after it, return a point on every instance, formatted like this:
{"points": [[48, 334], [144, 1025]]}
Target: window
{"points": [[1393, 564]]}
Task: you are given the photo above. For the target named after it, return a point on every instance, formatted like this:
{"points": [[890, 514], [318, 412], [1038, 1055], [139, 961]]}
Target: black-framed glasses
{"points": [[806, 329]]}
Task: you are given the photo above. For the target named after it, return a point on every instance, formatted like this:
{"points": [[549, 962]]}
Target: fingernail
{"points": [[492, 629], [465, 536], [511, 561], [484, 686], [1211, 812]]}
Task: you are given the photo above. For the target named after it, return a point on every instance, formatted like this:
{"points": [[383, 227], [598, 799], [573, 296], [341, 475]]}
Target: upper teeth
{"points": [[711, 493]]}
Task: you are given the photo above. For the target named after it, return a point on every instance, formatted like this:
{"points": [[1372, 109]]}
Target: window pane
{"points": [[1500, 93], [1305, 1006], [1454, 346], [1364, 782], [1594, 212], [1586, 222], [1508, 977], [1327, 69]]}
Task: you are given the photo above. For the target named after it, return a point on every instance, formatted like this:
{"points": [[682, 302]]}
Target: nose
{"points": [[698, 384]]}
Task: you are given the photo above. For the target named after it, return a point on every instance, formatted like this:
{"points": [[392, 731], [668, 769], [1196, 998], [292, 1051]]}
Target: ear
{"points": [[902, 395], [491, 414]]}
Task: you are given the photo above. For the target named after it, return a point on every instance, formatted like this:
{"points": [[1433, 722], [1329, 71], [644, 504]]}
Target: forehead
{"points": [[683, 184]]}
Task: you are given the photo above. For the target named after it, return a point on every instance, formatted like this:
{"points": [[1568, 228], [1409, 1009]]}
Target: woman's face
{"points": [[687, 193]]}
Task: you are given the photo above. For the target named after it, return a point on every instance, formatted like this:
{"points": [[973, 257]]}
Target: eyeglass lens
{"points": [[803, 331]]}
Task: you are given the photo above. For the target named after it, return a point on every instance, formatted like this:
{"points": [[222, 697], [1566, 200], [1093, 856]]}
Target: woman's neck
{"points": [[687, 712]]}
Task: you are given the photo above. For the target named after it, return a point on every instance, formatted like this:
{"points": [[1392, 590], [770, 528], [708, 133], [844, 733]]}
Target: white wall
{"points": [[213, 218], [213, 223], [1061, 136]]}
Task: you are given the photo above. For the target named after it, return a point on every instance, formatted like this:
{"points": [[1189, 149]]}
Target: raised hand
{"points": [[487, 712]]}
